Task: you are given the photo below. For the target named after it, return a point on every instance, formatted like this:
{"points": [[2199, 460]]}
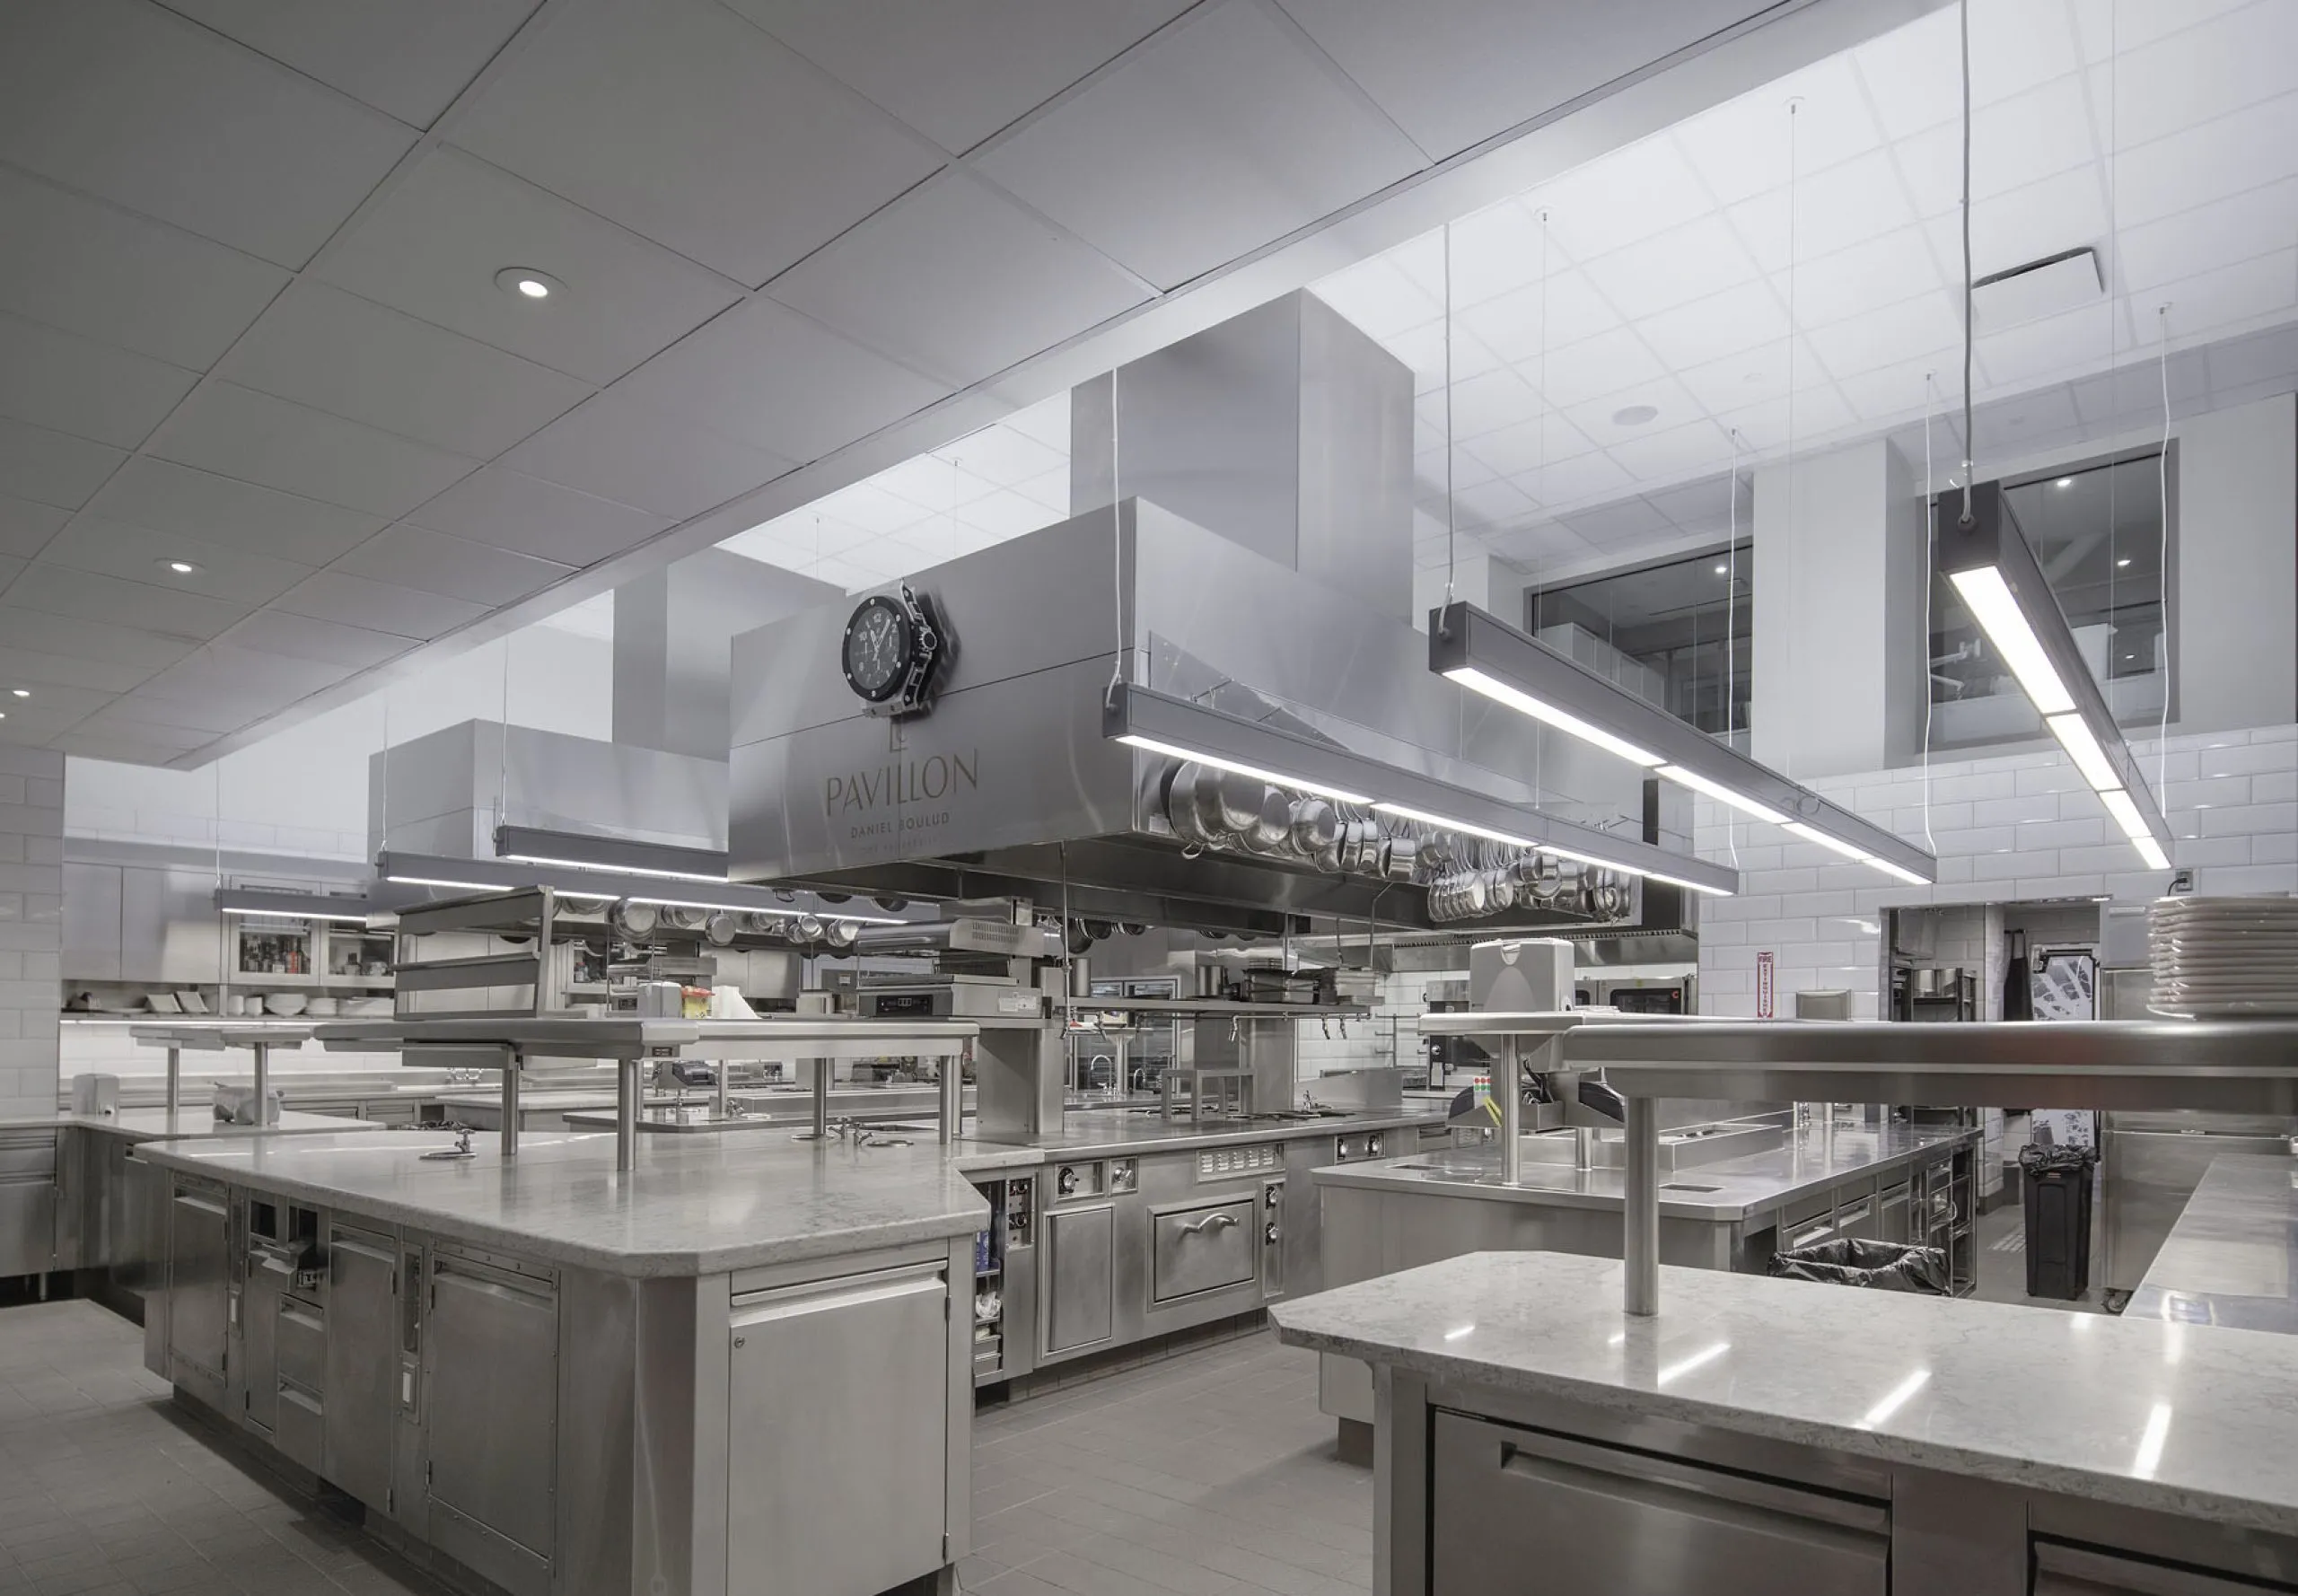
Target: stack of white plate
{"points": [[2224, 957]]}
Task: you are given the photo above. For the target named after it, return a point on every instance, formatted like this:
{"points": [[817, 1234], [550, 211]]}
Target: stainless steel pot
{"points": [[719, 928], [1316, 827], [1271, 831]]}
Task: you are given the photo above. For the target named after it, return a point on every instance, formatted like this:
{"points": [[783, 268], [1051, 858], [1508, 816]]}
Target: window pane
{"points": [[1674, 633]]}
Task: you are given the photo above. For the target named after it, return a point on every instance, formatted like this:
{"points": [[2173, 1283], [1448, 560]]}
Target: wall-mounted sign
{"points": [[1767, 985]]}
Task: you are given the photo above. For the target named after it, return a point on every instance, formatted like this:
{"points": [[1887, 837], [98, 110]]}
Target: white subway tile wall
{"points": [[1329, 1046], [32, 926], [2014, 826]]}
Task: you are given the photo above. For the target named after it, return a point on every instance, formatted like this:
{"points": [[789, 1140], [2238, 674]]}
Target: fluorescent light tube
{"points": [[1813, 834], [2151, 852], [302, 913], [676, 876], [1721, 794], [1898, 873], [2120, 805], [828, 912], [1275, 778], [1523, 703], [2006, 626], [2075, 735], [1688, 886], [1450, 824], [428, 881]]}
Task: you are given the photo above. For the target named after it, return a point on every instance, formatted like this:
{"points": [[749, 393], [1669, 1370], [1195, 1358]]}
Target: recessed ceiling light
{"points": [[523, 282], [2121, 563], [2067, 482], [23, 692], [1723, 570], [180, 568], [1636, 415]]}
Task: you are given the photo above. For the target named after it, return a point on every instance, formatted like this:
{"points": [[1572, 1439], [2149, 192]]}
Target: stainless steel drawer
{"points": [[1197, 1249], [2093, 1571], [300, 1428], [1637, 1524], [302, 1344], [28, 1153]]}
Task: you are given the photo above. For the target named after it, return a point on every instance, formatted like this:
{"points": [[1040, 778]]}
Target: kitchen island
{"points": [[2231, 1257], [1775, 1435], [573, 1379]]}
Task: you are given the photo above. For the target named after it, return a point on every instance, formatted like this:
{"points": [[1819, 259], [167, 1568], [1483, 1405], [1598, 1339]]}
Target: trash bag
{"points": [[1879, 1266], [2037, 1157]]}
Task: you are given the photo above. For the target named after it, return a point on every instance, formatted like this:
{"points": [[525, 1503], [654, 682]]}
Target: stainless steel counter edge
{"points": [[190, 1124], [1384, 1175], [1828, 1367]]}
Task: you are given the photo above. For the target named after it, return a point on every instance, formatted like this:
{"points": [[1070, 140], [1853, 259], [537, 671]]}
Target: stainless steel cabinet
{"points": [[839, 1414], [2062, 1570], [1077, 1260], [491, 1367], [1601, 1520], [169, 928], [27, 1201], [92, 922], [1202, 1248], [199, 1276], [360, 1388], [1893, 1214], [262, 1297]]}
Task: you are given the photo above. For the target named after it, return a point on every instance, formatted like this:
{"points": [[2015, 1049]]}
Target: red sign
{"points": [[1766, 982]]}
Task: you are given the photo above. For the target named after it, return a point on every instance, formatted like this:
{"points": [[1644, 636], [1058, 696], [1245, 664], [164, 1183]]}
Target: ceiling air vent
{"points": [[2066, 281]]}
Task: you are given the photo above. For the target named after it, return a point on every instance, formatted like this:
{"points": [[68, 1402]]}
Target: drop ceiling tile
{"points": [[1379, 298], [237, 432], [2055, 346], [800, 536], [1846, 205], [1711, 328], [955, 279], [2229, 61], [118, 725], [1598, 420], [1047, 421], [435, 562], [90, 390], [2229, 155], [222, 510], [198, 707], [1493, 252], [277, 633], [1748, 144], [1438, 467], [145, 606], [10, 566], [1051, 490], [2222, 233], [685, 123], [431, 247], [1890, 392], [1774, 424], [1694, 503], [1749, 376], [1911, 72], [25, 527], [511, 511], [1629, 521], [1867, 277], [1173, 162], [1005, 456], [407, 59], [114, 749], [1485, 404], [1515, 450], [1927, 326], [50, 701], [1003, 515], [936, 481], [137, 554], [1582, 480], [88, 267], [233, 672], [39, 669], [764, 375], [1699, 259], [959, 70], [2104, 26], [1430, 355], [333, 351], [2213, 301], [50, 467], [2030, 418], [1492, 504], [1630, 194], [616, 449], [1569, 307], [1454, 73], [2034, 136], [121, 99], [1605, 364], [74, 637], [2060, 212], [869, 507], [379, 606]]}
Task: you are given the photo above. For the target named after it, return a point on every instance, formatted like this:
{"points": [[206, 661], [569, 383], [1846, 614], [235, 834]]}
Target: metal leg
{"points": [[954, 1093], [821, 1133], [1510, 1089], [718, 1073], [175, 1079], [262, 1083], [626, 1113], [1641, 1251], [512, 1060]]}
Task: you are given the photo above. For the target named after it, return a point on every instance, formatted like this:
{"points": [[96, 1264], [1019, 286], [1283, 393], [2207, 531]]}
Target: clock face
{"points": [[877, 649]]}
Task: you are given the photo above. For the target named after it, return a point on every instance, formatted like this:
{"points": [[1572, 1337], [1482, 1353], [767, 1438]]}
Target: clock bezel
{"points": [[906, 659]]}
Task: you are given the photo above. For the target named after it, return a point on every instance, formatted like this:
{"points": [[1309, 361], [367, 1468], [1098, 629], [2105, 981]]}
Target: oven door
{"points": [[1205, 1247]]}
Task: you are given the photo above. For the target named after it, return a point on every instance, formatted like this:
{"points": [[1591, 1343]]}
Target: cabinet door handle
{"points": [[1211, 1222]]}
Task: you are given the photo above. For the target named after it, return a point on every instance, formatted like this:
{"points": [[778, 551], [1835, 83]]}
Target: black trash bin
{"points": [[2057, 1181], [1879, 1266]]}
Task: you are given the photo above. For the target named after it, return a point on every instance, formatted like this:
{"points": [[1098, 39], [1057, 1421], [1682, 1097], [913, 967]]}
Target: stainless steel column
{"points": [[262, 1083], [1642, 1248], [1510, 1089], [718, 1069], [175, 1079], [821, 1100], [953, 1093], [626, 1113], [511, 1063]]}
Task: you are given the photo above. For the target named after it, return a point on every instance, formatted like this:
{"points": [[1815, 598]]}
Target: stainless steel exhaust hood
{"points": [[1015, 785]]}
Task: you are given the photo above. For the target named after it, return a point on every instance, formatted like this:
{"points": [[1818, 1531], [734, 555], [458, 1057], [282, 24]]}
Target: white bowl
{"points": [[284, 1004], [322, 1008]]}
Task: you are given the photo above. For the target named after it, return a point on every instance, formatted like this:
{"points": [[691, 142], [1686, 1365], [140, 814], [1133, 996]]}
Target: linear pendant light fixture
{"points": [[1488, 655], [1995, 570], [1181, 729]]}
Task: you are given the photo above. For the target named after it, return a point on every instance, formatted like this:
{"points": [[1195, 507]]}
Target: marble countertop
{"points": [[196, 1121], [694, 1205], [2144, 1414], [1810, 1161], [2232, 1257]]}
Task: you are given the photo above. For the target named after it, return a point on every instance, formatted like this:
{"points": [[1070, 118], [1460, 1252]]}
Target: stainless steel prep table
{"points": [[2231, 1258]]}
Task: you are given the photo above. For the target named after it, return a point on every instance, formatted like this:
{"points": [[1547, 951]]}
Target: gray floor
{"points": [[1211, 1474]]}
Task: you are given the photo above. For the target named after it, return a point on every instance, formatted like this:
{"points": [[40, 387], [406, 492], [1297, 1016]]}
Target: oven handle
{"points": [[1211, 1222]]}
